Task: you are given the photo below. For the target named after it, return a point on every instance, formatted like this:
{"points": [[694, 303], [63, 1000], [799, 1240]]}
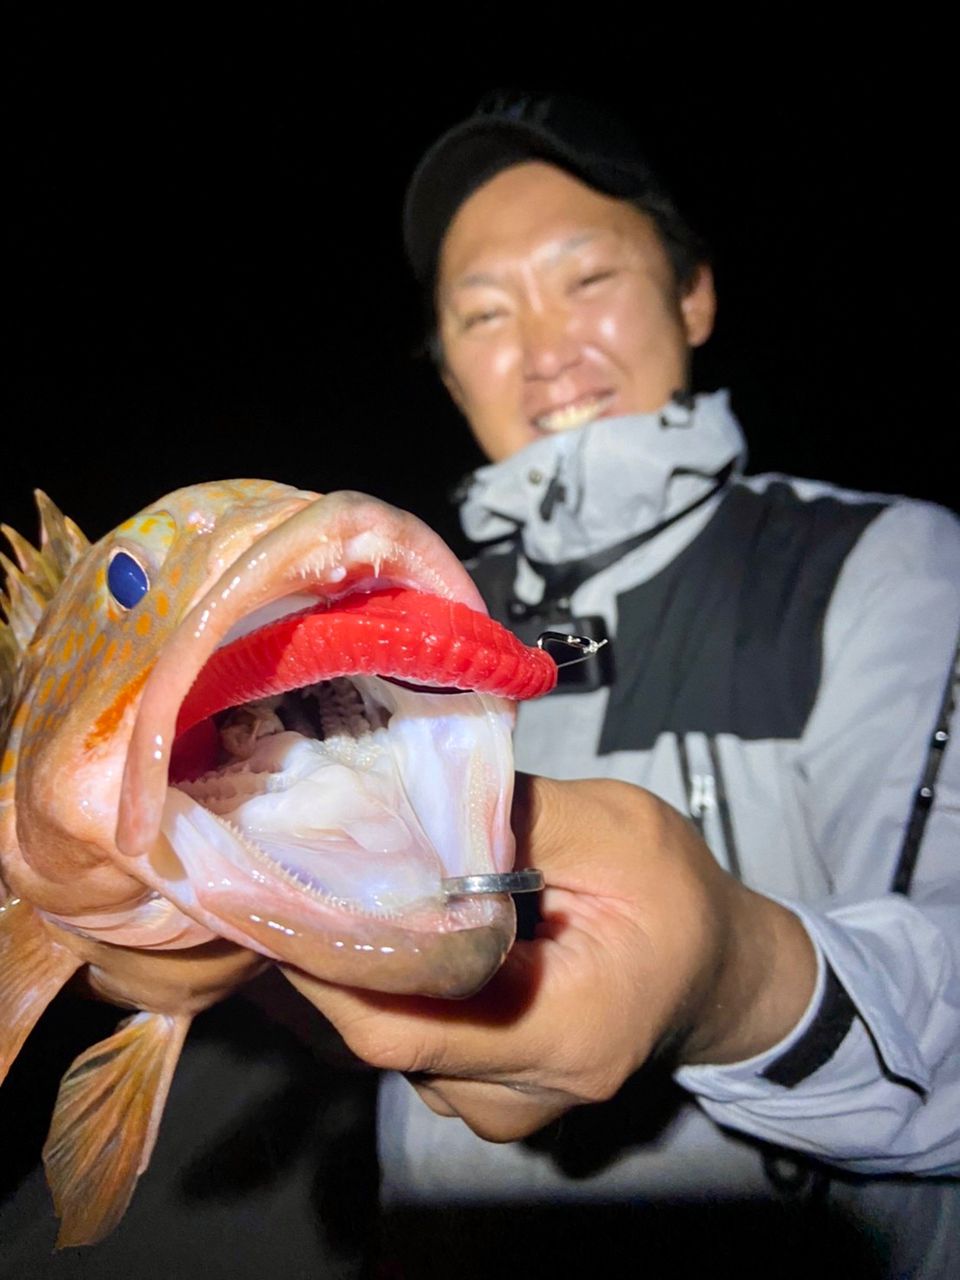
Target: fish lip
{"points": [[448, 966], [454, 955], [302, 551]]}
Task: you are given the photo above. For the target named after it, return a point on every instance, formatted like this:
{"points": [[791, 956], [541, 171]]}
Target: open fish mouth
{"points": [[322, 742], [322, 783]]}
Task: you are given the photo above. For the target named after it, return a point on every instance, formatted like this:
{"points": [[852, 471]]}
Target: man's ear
{"points": [[698, 306]]}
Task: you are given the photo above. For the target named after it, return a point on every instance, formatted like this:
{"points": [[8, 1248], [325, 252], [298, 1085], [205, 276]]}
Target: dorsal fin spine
{"points": [[30, 585]]}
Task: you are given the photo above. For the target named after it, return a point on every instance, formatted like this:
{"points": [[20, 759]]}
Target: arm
{"points": [[889, 1099]]}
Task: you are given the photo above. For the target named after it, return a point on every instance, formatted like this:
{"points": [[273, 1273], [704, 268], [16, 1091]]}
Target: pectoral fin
{"points": [[105, 1123], [33, 968]]}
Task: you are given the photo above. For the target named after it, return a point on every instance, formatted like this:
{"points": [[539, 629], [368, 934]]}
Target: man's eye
{"points": [[594, 277], [477, 318]]}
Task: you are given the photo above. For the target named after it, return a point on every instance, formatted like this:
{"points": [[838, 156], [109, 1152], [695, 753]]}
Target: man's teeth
{"points": [[572, 415]]}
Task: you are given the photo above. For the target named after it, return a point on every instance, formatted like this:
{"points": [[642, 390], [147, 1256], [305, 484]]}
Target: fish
{"points": [[252, 726]]}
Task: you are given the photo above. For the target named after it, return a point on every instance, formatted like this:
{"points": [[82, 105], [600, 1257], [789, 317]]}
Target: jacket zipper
{"points": [[707, 803], [726, 818], [693, 791]]}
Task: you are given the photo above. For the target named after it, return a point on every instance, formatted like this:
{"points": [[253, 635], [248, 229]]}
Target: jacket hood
{"points": [[578, 492]]}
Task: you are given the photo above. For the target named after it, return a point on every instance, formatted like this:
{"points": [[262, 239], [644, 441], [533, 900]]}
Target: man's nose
{"points": [[549, 346]]}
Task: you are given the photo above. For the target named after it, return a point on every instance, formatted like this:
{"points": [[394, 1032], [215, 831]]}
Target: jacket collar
{"points": [[573, 494]]}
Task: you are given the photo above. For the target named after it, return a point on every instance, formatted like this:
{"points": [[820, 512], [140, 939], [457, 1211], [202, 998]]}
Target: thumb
{"points": [[396, 1033], [540, 821], [583, 834], [417, 1033]]}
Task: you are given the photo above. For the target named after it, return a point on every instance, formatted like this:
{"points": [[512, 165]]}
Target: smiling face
{"points": [[558, 305]]}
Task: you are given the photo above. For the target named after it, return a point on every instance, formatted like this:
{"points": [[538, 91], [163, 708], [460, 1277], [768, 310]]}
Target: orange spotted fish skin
{"points": [[72, 663], [80, 675]]}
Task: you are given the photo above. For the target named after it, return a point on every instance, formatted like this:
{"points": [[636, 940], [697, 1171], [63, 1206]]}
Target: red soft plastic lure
{"points": [[392, 632]]}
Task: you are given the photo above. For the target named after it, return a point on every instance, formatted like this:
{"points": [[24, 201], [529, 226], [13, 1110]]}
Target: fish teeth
{"points": [[299, 881], [223, 790], [304, 884]]}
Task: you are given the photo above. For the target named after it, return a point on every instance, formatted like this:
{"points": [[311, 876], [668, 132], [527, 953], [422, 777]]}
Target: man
{"points": [[781, 652]]}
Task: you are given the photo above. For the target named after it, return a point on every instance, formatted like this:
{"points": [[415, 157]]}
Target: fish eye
{"points": [[126, 579]]}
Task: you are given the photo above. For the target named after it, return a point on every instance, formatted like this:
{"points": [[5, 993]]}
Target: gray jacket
{"points": [[782, 649]]}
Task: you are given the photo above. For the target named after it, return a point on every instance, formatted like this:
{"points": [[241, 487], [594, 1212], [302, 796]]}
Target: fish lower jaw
{"points": [[574, 415], [282, 868], [322, 839], [428, 946], [273, 876]]}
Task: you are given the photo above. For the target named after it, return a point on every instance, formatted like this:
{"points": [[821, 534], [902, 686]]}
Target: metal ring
{"points": [[527, 881]]}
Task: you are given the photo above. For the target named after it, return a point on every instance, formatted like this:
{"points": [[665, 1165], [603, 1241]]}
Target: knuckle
{"points": [[396, 1053], [600, 1085]]}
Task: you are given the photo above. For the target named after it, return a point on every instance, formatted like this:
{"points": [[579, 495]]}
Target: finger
{"points": [[572, 829], [404, 1033], [393, 1032], [433, 1098], [496, 1112]]}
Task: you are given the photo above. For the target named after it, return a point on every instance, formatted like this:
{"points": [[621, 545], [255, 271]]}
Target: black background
{"points": [[207, 276]]}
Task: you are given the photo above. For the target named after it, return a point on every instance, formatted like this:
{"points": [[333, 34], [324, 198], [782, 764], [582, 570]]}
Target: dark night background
{"points": [[204, 278], [205, 275]]}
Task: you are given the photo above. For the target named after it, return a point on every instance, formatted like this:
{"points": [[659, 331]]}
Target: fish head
{"points": [[83, 668], [232, 721]]}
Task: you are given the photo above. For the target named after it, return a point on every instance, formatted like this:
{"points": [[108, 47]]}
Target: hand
{"points": [[646, 946]]}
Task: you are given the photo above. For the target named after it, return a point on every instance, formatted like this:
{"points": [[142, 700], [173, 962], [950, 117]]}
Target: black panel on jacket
{"points": [[728, 637], [493, 574]]}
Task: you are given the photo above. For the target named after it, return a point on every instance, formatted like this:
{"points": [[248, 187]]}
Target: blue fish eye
{"points": [[127, 580]]}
